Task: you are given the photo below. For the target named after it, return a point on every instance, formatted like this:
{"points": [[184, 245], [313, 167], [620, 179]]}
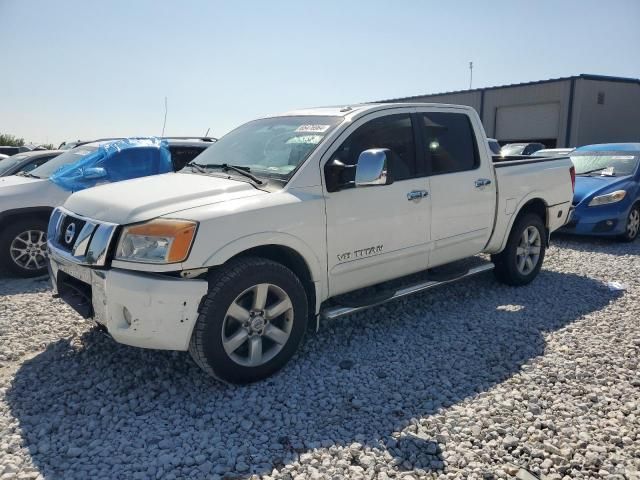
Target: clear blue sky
{"points": [[78, 69]]}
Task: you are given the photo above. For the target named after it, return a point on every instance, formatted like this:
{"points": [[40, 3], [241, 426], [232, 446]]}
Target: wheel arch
{"points": [[41, 213], [531, 205], [287, 250]]}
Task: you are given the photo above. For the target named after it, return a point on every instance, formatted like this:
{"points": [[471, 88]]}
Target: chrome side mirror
{"points": [[373, 168], [93, 173]]}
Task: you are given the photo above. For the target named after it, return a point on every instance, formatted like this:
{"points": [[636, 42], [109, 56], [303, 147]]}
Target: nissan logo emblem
{"points": [[69, 233]]}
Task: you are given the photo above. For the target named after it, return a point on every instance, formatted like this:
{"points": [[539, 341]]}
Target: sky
{"points": [[77, 69]]}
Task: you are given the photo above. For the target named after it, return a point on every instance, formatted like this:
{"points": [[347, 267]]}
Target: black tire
{"points": [[506, 262], [630, 234], [225, 286], [11, 232]]}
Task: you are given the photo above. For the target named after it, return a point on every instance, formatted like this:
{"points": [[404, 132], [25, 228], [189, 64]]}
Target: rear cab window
{"points": [[449, 142]]}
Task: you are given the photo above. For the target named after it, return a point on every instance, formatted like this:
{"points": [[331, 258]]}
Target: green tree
{"points": [[11, 140]]}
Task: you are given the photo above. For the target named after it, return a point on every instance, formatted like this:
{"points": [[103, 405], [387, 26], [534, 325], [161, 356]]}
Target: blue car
{"points": [[607, 191]]}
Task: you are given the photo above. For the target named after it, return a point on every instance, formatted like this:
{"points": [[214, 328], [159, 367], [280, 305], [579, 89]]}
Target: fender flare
{"points": [[281, 239], [248, 242], [527, 198]]}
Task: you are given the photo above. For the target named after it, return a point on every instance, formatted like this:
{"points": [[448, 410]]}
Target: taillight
{"points": [[572, 172]]}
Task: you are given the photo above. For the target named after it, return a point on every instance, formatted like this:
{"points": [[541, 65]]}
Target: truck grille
{"points": [[82, 240]]}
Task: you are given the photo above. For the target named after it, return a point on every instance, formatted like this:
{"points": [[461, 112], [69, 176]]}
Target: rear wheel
{"points": [[633, 225], [23, 248], [521, 260], [251, 322]]}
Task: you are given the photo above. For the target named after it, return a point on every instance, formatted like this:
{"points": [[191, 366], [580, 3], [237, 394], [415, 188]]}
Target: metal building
{"points": [[560, 112]]}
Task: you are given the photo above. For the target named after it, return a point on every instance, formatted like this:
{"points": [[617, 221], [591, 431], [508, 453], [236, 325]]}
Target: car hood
{"points": [[144, 198], [18, 192], [587, 187]]}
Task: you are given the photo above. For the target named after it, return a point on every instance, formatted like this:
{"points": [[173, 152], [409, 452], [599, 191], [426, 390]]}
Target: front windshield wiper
{"points": [[27, 174], [226, 167], [592, 171]]}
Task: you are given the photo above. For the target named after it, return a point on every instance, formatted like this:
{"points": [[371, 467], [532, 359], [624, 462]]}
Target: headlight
{"points": [[156, 241], [612, 197]]}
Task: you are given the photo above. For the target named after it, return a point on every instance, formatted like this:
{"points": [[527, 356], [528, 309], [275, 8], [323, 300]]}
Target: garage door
{"points": [[528, 122]]}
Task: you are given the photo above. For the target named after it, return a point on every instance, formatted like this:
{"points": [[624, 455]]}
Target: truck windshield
{"points": [[270, 147], [70, 156], [606, 163]]}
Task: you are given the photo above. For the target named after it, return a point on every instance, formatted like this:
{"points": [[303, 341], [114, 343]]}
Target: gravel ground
{"points": [[474, 381]]}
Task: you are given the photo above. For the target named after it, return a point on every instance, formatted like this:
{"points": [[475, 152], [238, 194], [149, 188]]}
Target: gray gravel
{"points": [[475, 380]]}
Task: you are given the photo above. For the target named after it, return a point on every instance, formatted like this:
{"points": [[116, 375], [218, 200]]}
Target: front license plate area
{"points": [[76, 293]]}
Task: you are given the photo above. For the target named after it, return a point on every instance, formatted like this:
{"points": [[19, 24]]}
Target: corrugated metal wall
{"points": [[540, 110]]}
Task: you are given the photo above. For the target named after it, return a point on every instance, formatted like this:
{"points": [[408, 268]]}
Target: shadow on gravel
{"points": [[610, 246], [93, 408], [13, 286]]}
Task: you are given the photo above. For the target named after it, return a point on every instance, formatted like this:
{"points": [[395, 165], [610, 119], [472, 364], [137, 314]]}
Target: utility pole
{"points": [[470, 74]]}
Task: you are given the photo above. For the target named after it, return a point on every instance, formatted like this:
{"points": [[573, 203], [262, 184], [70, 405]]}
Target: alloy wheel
{"points": [[257, 325], [633, 223], [528, 250], [29, 250]]}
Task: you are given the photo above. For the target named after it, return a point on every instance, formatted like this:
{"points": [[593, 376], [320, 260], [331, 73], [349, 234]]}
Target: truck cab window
{"points": [[449, 142], [394, 132]]}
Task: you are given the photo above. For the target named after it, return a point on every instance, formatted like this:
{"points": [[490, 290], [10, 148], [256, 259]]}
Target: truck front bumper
{"points": [[139, 309]]}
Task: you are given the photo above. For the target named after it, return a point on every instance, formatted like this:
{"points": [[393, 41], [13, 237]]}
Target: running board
{"points": [[337, 311]]}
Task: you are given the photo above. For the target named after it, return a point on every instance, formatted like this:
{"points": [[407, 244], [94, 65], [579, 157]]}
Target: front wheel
{"points": [[633, 225], [521, 260], [251, 322], [23, 247]]}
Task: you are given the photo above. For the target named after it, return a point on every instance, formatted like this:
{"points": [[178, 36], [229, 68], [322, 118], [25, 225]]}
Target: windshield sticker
{"points": [[81, 152], [313, 128], [623, 157], [306, 139]]}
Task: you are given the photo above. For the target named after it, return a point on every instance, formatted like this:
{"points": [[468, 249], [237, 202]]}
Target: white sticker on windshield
{"points": [[623, 157], [313, 128]]}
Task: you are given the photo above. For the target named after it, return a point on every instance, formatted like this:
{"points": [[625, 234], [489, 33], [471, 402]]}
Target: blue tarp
{"points": [[116, 161]]}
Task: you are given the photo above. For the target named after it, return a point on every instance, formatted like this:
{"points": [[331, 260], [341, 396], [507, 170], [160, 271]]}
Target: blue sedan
{"points": [[607, 191]]}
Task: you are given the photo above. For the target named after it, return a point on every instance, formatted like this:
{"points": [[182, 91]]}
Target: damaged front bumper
{"points": [[139, 309]]}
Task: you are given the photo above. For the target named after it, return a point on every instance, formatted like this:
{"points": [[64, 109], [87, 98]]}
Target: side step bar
{"points": [[338, 311]]}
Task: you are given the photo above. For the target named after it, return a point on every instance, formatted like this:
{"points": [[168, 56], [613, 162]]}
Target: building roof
{"points": [[584, 76]]}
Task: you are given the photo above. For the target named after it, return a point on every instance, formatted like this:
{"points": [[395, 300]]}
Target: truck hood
{"points": [[144, 198], [587, 187]]}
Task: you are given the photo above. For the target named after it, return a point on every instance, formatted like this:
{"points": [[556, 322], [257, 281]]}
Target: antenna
{"points": [[470, 74], [207, 134], [164, 124]]}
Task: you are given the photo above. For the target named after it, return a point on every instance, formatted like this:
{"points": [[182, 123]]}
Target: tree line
{"points": [[9, 140]]}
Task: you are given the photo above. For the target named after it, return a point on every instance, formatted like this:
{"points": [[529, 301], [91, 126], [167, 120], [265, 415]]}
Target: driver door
{"points": [[376, 233]]}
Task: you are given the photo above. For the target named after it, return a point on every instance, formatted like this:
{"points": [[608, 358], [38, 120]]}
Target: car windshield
{"points": [[10, 162], [270, 147], [70, 156], [513, 149], [607, 163], [494, 146]]}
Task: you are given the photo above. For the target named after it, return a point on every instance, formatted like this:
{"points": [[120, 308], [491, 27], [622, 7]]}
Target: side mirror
{"points": [[373, 168], [94, 173]]}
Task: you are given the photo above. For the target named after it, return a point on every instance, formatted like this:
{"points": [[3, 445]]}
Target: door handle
{"points": [[482, 182], [417, 194]]}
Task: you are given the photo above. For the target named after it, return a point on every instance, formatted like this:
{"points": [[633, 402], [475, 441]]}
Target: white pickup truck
{"points": [[290, 219]]}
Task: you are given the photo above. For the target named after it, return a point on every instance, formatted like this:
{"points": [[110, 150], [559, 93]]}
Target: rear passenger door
{"points": [[463, 193]]}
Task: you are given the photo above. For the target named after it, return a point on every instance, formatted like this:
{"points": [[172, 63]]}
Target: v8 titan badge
{"points": [[362, 253]]}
